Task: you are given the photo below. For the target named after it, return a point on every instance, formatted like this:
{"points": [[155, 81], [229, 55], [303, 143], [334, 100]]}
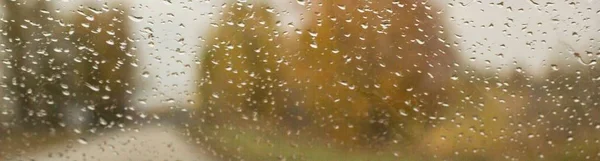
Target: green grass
{"points": [[250, 144]]}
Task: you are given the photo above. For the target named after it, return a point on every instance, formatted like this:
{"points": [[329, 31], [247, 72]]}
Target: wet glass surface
{"points": [[299, 80]]}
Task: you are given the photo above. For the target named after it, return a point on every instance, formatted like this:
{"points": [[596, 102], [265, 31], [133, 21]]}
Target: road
{"points": [[149, 143]]}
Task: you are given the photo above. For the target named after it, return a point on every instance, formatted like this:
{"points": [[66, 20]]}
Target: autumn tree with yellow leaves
{"points": [[376, 68], [240, 68], [359, 72]]}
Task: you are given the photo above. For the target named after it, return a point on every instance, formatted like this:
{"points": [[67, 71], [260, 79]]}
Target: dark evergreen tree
{"points": [[104, 63], [35, 78]]}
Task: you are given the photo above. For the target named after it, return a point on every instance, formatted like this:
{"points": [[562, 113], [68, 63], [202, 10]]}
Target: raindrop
{"points": [[145, 74], [580, 59], [142, 101], [136, 18], [82, 141], [314, 45], [454, 77], [92, 87], [554, 67]]}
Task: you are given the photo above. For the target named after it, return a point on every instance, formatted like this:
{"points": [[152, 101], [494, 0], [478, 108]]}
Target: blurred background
{"points": [[299, 80]]}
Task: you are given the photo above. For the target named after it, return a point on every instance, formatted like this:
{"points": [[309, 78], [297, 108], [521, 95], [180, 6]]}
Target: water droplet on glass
{"points": [[554, 67], [145, 74], [454, 77], [82, 141], [136, 18]]}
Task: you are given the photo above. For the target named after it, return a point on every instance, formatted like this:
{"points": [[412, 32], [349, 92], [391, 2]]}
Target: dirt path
{"points": [[149, 143]]}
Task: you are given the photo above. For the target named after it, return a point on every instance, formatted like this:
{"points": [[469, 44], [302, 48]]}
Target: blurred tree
{"points": [[362, 62], [14, 51], [240, 66], [35, 76], [104, 62], [412, 64]]}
